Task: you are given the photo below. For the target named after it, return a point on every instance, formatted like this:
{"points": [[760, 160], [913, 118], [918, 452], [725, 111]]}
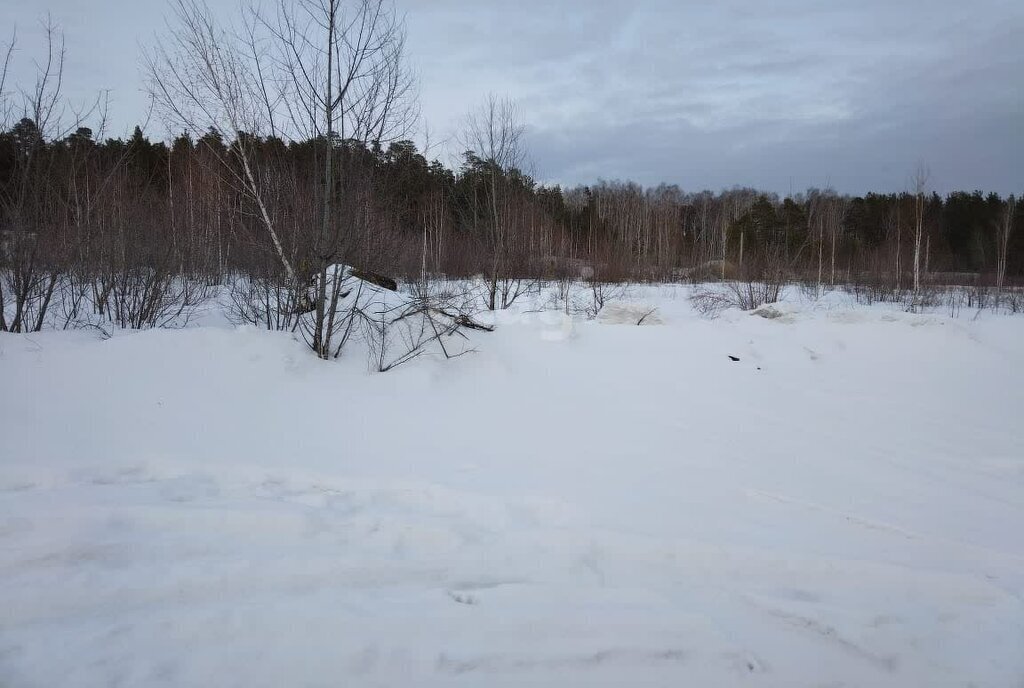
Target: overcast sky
{"points": [[778, 95]]}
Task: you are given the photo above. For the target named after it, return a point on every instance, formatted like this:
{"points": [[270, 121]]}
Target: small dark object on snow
{"points": [[733, 358], [380, 280]]}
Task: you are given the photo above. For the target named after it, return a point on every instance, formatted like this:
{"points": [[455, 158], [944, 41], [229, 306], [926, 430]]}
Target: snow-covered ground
{"points": [[576, 503]]}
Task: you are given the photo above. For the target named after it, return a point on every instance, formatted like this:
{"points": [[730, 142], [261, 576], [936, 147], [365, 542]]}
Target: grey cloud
{"points": [[852, 95], [696, 93]]}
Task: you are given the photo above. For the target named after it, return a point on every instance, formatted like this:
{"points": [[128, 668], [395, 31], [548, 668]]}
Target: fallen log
{"points": [[382, 281]]}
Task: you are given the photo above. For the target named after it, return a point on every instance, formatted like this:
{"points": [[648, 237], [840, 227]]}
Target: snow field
{"points": [[576, 503]]}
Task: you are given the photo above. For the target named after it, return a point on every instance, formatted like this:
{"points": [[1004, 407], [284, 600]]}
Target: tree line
{"points": [[294, 157]]}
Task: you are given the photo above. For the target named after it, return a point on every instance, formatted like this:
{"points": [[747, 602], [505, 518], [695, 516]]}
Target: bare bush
{"points": [[400, 327], [871, 289], [712, 299], [30, 270], [141, 298], [270, 302], [590, 297]]}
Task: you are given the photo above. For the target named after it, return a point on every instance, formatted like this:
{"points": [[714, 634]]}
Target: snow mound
{"points": [[620, 313], [779, 312], [556, 326], [767, 311]]}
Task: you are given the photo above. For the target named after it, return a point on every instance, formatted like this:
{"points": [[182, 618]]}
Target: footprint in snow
{"points": [[463, 598]]}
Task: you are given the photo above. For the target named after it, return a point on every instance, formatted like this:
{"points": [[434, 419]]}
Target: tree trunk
{"points": [[321, 338], [821, 251]]}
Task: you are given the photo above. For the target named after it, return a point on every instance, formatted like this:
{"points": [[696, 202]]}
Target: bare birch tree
{"points": [[833, 216], [206, 77], [327, 70], [920, 183], [1005, 229], [345, 79], [494, 132], [30, 253]]}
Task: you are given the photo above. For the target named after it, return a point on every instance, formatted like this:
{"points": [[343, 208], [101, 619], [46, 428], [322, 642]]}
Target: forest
{"points": [[278, 187]]}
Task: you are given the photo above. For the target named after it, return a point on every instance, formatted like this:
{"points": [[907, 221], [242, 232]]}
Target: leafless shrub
{"points": [[871, 289], [511, 288], [811, 290], [29, 275], [73, 303], [142, 297], [399, 328], [923, 297], [561, 295], [751, 294], [591, 297], [1013, 300], [980, 297], [267, 301], [711, 299]]}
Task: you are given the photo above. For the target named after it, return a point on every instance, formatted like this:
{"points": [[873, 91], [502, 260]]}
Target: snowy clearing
{"points": [[576, 503]]}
